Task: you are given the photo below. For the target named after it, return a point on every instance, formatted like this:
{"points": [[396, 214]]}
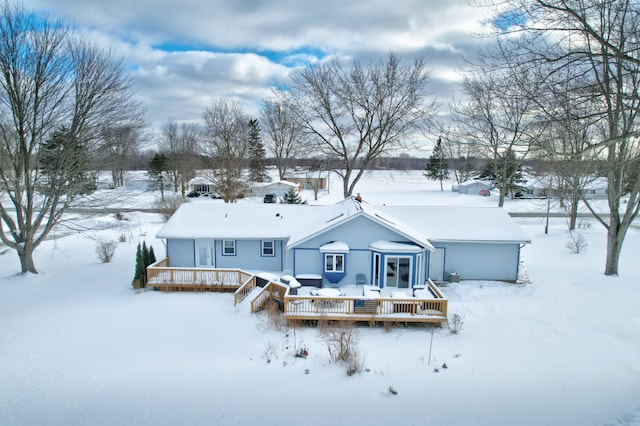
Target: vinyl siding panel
{"points": [[481, 261]]}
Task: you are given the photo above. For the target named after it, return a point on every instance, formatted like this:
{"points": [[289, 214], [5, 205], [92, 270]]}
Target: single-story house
{"points": [[200, 185], [537, 187], [309, 180], [351, 242], [474, 187], [596, 189], [279, 188]]}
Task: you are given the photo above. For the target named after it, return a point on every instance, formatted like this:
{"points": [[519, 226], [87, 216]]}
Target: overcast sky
{"points": [[185, 54]]}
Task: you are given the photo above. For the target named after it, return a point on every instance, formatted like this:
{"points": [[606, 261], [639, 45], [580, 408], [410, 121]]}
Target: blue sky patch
{"points": [[514, 18], [290, 58]]}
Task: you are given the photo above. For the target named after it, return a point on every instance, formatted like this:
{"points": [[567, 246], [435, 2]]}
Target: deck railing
{"points": [[271, 291], [244, 290], [304, 307], [162, 276], [367, 308]]}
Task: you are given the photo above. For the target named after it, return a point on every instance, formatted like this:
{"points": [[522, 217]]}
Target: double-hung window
{"points": [[334, 262], [228, 247], [268, 248]]}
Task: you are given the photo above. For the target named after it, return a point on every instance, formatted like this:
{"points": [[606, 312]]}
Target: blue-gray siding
{"points": [[181, 253], [481, 261], [358, 234]]}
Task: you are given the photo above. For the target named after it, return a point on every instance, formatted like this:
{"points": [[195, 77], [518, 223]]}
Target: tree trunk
{"points": [[26, 259], [614, 247], [501, 198], [573, 212]]}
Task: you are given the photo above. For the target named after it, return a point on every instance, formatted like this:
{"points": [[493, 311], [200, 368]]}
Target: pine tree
{"points": [[152, 256], [64, 161], [293, 197], [506, 174], [257, 154], [157, 170], [437, 167]]}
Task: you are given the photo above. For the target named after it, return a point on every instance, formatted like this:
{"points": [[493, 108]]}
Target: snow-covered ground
{"points": [[79, 347]]}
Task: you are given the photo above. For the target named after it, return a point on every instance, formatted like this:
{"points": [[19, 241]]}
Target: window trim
{"points": [[224, 248], [334, 257], [272, 248]]}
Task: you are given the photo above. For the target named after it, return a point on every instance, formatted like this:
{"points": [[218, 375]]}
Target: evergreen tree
{"points": [[506, 174], [64, 161], [138, 280], [158, 167], [152, 256], [293, 197], [145, 254], [257, 154], [437, 167]]}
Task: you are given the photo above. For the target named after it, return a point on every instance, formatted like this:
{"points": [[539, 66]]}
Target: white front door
{"points": [[205, 254]]}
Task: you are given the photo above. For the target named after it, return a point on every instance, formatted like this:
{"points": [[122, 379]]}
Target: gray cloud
{"points": [[187, 53]]}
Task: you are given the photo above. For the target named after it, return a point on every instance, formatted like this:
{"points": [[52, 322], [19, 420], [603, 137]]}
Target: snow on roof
{"points": [[237, 221], [279, 183], [336, 246], [391, 246], [200, 180], [299, 223], [459, 224], [475, 181], [347, 210]]}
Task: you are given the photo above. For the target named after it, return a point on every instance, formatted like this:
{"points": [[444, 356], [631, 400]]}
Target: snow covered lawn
{"points": [[78, 346]]}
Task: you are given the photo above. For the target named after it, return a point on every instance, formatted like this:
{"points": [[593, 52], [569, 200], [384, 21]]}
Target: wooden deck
{"points": [[372, 310], [164, 277], [311, 308]]}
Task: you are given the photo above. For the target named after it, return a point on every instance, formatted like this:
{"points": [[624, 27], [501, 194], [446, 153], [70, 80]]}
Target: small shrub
{"points": [[169, 205], [303, 352], [274, 316], [356, 363], [122, 238], [271, 350], [584, 224], [270, 317], [342, 342], [577, 243], [456, 324], [106, 250]]}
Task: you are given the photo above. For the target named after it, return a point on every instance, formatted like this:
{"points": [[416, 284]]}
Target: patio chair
{"points": [[361, 279]]}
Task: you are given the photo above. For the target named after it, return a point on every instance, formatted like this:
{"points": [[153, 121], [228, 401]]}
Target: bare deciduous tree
{"points": [[118, 145], [601, 40], [497, 120], [285, 136], [226, 136], [460, 154], [180, 144], [571, 166], [50, 81], [356, 114]]}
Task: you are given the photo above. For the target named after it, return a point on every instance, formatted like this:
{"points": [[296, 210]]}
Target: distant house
{"points": [[596, 189], [348, 243], [279, 188], [540, 187], [537, 187], [201, 186], [309, 180], [474, 187]]}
